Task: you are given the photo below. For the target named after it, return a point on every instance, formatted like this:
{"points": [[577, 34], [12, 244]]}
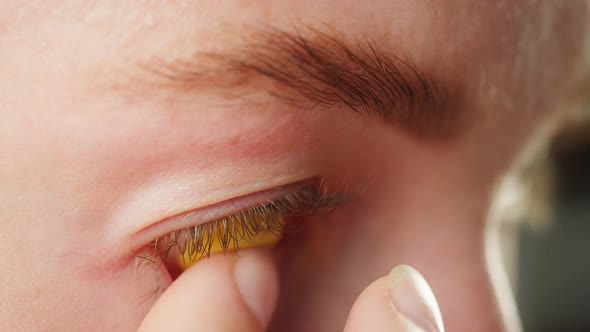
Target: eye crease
{"points": [[262, 225]]}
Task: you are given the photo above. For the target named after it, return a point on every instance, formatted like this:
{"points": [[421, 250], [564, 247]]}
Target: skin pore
{"points": [[99, 145]]}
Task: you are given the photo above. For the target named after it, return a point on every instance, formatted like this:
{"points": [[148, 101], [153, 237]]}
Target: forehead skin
{"points": [[491, 52], [79, 149]]}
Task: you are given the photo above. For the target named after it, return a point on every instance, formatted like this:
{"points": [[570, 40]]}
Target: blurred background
{"points": [[551, 276]]}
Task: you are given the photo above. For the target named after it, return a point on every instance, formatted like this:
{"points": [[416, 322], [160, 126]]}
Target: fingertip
{"points": [[256, 277], [412, 297], [223, 293], [191, 296], [393, 303], [372, 311]]}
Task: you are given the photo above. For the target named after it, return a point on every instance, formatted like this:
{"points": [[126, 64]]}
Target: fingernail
{"points": [[257, 282], [411, 296]]}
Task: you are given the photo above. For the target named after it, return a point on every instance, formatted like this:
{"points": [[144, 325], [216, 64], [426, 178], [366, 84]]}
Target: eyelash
{"points": [[273, 217]]}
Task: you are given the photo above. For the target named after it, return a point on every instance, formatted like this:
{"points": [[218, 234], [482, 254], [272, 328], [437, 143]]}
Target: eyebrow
{"points": [[314, 69]]}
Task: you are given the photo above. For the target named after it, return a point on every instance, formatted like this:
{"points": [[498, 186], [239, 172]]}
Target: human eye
{"points": [[260, 220]]}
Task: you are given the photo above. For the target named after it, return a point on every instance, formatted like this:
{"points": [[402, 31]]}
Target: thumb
{"points": [[400, 302], [224, 293]]}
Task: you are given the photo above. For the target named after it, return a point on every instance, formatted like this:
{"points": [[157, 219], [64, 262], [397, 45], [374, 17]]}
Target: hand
{"points": [[228, 293]]}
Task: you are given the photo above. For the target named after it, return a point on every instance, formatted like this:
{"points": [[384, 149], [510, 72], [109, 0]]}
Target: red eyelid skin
{"points": [[213, 212]]}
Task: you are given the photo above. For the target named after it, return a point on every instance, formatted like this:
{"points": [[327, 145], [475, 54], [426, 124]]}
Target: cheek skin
{"points": [[47, 295]]}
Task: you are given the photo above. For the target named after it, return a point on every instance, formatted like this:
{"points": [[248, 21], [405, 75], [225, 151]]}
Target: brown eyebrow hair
{"points": [[315, 69]]}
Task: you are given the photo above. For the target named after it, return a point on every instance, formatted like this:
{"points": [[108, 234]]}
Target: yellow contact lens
{"points": [[254, 239]]}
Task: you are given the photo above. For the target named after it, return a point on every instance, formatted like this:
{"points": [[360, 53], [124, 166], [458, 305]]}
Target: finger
{"points": [[224, 293], [400, 302]]}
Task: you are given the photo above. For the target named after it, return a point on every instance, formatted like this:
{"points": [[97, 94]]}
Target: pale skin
{"points": [[92, 156]]}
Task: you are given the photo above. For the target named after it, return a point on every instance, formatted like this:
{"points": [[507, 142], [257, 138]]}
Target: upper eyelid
{"points": [[211, 213], [247, 224]]}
